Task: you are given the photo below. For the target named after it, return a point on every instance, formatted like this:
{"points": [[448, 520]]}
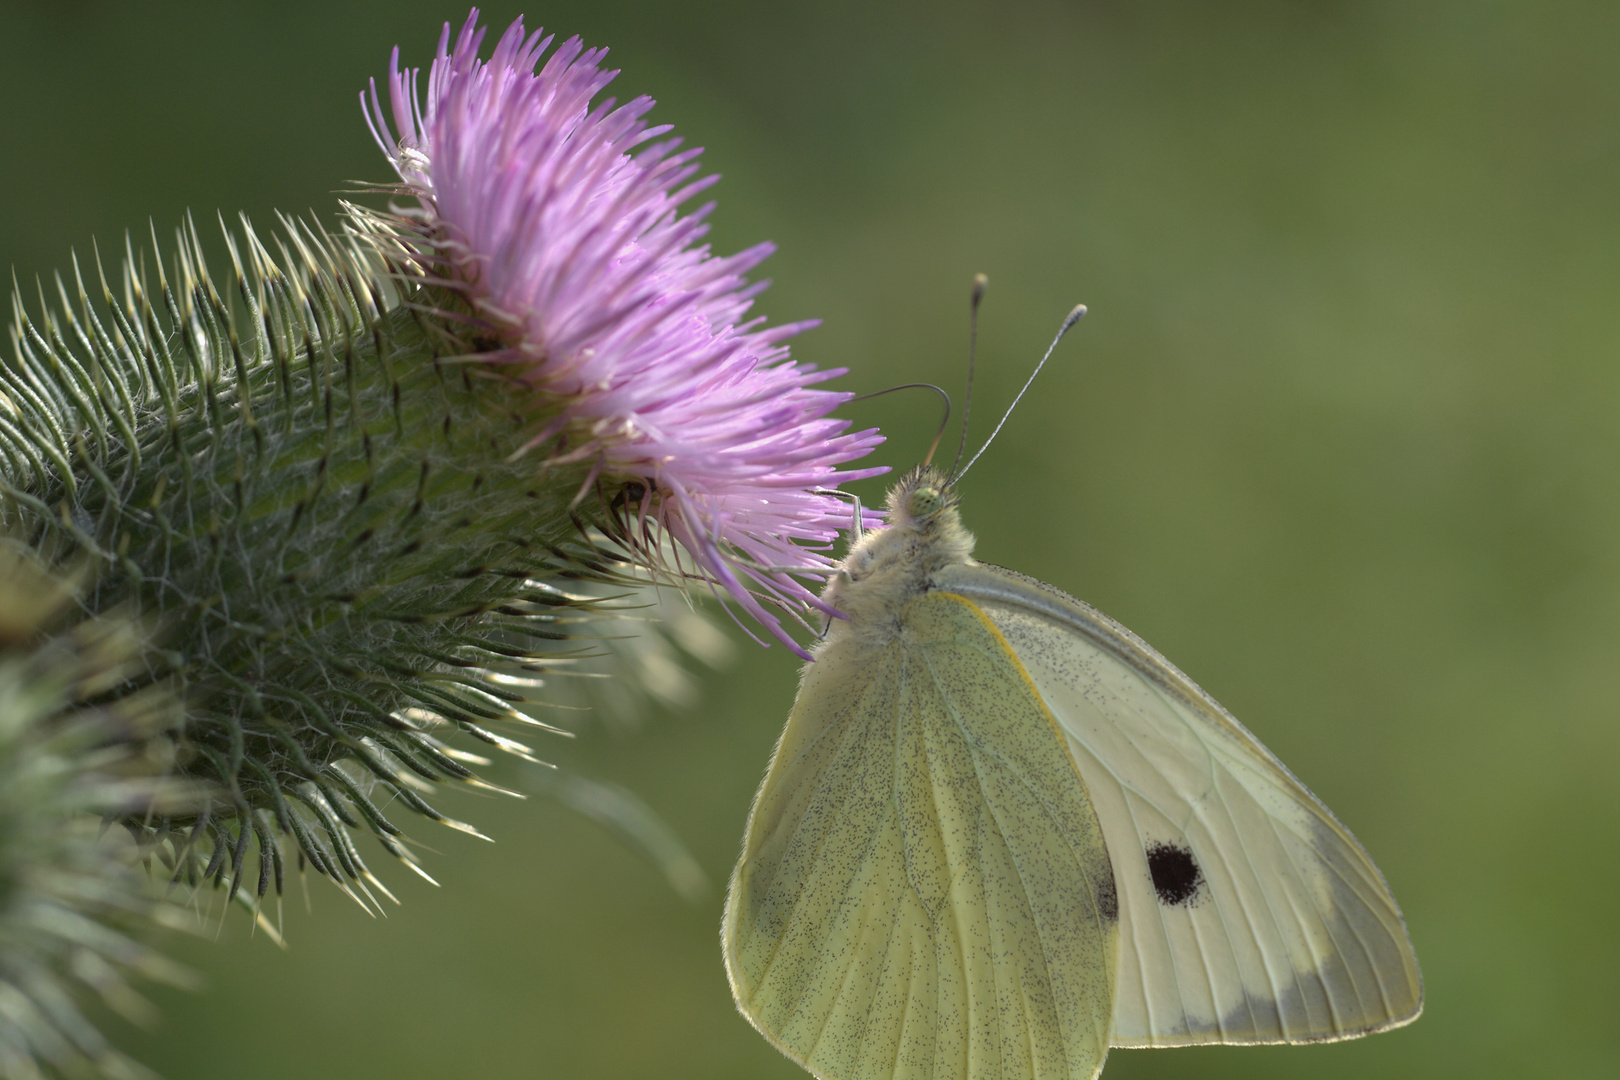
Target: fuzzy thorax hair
{"points": [[891, 566]]}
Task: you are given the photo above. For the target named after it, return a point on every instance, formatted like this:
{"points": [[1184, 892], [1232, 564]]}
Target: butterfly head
{"points": [[924, 500]]}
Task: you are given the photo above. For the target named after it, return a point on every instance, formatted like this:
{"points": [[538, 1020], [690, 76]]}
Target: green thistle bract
{"points": [[68, 754], [315, 508]]}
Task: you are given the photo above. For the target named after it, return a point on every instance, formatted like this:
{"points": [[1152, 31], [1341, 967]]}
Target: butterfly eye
{"points": [[925, 502]]}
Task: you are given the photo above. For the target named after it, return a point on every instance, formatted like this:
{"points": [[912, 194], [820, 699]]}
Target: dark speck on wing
{"points": [[1108, 899]]}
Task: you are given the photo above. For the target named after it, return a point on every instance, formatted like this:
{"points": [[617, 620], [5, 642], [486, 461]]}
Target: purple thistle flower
{"points": [[558, 221]]}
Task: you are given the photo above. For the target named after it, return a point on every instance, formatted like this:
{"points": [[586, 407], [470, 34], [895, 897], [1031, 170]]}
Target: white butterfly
{"points": [[1001, 834]]}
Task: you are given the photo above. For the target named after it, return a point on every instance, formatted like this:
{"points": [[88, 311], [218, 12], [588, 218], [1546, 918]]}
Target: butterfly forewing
{"points": [[1247, 912], [924, 889]]}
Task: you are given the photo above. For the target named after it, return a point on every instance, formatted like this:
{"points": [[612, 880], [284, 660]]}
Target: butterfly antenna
{"points": [[1068, 323], [980, 284], [943, 421]]}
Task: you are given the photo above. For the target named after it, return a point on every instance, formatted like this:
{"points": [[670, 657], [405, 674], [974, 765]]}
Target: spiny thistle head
{"points": [[555, 223], [370, 492], [70, 752], [318, 513], [379, 489]]}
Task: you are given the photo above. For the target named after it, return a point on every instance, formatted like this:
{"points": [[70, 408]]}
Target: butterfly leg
{"points": [[859, 529]]}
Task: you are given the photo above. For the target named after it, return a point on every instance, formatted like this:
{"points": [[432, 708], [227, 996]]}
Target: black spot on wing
{"points": [[1176, 875]]}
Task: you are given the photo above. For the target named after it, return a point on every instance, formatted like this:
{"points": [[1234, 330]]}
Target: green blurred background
{"points": [[1339, 437]]}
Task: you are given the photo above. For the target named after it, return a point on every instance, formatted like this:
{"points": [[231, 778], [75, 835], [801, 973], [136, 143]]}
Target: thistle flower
{"points": [[350, 536], [557, 220]]}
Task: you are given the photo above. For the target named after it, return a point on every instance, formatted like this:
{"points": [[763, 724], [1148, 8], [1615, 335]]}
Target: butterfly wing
{"points": [[923, 889], [1248, 914]]}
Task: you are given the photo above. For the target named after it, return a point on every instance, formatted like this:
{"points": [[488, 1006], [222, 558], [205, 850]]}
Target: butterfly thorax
{"points": [[891, 566]]}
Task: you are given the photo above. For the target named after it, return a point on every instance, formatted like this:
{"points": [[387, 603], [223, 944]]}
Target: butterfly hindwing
{"points": [[1248, 913], [924, 889]]}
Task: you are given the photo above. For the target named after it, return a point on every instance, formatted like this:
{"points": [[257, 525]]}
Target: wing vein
{"points": [[1248, 917], [1354, 888], [851, 735], [974, 750]]}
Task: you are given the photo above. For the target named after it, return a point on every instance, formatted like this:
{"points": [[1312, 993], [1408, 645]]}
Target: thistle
{"points": [[374, 491], [70, 751], [553, 226]]}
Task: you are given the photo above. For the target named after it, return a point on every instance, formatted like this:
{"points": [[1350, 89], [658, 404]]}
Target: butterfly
{"points": [[1001, 834]]}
